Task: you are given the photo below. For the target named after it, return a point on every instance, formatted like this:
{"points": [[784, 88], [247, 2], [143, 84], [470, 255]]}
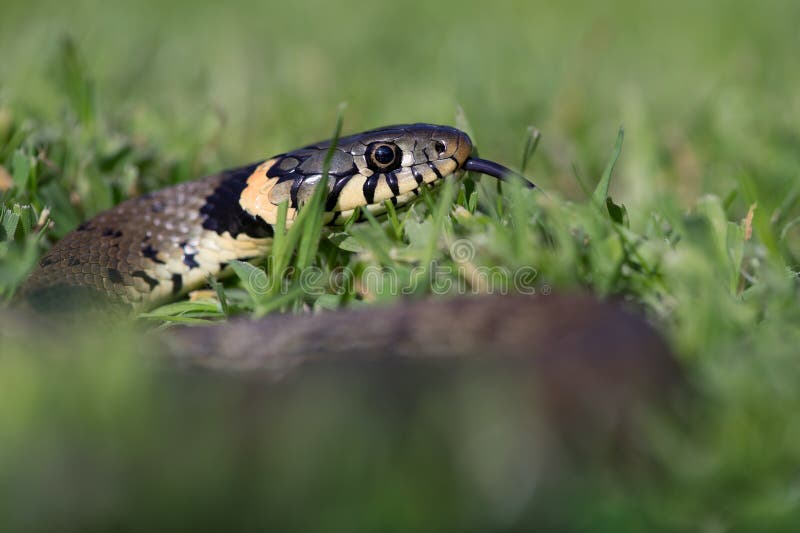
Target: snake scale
{"points": [[159, 246]]}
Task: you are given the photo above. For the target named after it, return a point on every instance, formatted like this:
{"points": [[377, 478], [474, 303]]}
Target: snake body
{"points": [[157, 247]]}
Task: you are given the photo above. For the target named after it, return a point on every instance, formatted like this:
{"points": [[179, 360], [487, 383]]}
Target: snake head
{"points": [[365, 170]]}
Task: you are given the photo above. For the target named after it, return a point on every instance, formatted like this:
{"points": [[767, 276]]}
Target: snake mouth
{"points": [[496, 170]]}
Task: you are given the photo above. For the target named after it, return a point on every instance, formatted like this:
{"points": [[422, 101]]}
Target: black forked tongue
{"points": [[496, 170]]}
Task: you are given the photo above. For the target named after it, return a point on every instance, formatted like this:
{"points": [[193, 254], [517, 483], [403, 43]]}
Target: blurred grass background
{"points": [[100, 100]]}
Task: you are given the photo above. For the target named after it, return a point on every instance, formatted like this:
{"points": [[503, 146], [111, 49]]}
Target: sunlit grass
{"points": [[691, 218]]}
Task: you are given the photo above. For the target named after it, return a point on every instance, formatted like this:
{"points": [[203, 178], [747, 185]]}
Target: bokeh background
{"points": [[130, 96], [704, 89]]}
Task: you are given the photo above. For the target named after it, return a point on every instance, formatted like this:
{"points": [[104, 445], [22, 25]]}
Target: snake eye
{"points": [[383, 157], [439, 147]]}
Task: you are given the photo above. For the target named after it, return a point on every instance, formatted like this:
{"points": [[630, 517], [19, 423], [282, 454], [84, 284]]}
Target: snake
{"points": [[592, 358], [157, 247]]}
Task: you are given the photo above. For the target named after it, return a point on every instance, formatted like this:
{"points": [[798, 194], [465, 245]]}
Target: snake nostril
{"points": [[440, 147]]}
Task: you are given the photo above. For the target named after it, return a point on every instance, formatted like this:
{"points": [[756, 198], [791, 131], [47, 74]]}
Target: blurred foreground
{"points": [[492, 425]]}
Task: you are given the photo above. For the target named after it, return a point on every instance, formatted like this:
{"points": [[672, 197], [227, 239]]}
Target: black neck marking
{"points": [[222, 211]]}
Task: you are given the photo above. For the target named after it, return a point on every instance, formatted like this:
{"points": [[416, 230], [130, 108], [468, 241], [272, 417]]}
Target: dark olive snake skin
{"points": [[146, 250], [157, 247]]}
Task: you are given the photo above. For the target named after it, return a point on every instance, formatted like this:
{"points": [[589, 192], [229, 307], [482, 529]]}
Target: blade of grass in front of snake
{"points": [[220, 291], [279, 256], [439, 218], [302, 237], [314, 209], [394, 222], [299, 237], [254, 281]]}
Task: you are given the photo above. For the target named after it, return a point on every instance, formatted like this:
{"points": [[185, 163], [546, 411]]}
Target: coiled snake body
{"points": [[157, 247]]}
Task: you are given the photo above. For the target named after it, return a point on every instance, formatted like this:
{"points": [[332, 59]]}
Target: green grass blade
{"points": [[531, 143], [312, 230], [601, 191]]}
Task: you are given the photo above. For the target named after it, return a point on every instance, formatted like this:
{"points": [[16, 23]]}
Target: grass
{"points": [[693, 216]]}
